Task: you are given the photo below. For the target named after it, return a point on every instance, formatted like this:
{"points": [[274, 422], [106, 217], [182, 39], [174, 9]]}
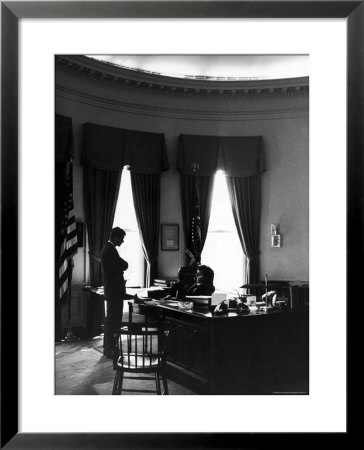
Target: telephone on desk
{"points": [[238, 306], [269, 298], [222, 308]]}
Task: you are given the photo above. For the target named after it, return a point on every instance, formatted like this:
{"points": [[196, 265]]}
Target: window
{"points": [[222, 250], [125, 218]]}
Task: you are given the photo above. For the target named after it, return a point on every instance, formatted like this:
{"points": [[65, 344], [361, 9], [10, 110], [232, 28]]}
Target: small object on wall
{"points": [[274, 229], [170, 237], [276, 241]]}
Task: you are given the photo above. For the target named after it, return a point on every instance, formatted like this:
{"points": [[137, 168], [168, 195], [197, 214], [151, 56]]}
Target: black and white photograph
{"points": [[217, 145], [170, 174]]}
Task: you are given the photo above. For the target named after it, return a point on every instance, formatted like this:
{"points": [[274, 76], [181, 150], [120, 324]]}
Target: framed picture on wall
{"points": [[276, 240], [274, 229], [169, 237]]}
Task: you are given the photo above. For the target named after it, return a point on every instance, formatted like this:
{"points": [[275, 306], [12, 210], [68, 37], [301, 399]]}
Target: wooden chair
{"points": [[140, 348]]}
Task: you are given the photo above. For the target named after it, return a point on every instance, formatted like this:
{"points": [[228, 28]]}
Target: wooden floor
{"points": [[82, 369]]}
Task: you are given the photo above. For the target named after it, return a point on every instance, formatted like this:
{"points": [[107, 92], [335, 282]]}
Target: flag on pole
{"points": [[196, 224], [69, 235]]}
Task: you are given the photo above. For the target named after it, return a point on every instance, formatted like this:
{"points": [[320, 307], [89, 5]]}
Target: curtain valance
{"points": [[145, 152], [63, 138], [240, 156], [203, 150], [110, 148], [103, 147]]}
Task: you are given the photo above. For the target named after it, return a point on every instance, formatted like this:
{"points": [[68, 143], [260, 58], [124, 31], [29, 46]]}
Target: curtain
{"points": [[238, 156], [242, 159], [145, 152], [242, 156], [101, 190], [106, 151], [188, 199], [103, 147], [245, 200], [146, 197]]}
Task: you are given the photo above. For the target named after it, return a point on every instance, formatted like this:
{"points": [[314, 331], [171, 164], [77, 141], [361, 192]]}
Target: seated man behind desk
{"points": [[187, 284], [186, 280], [205, 282]]}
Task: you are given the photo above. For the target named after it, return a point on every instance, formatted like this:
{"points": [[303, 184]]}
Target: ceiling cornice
{"points": [[170, 112], [110, 74]]}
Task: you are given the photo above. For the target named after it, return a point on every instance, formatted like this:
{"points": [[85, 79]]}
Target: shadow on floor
{"points": [[82, 369]]}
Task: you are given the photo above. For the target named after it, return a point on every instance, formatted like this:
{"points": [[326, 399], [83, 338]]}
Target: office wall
{"points": [[280, 117]]}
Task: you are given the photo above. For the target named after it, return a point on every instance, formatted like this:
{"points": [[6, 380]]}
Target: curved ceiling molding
{"points": [[147, 110], [96, 70]]}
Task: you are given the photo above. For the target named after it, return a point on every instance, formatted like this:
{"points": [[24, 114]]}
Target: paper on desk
{"points": [[217, 297]]}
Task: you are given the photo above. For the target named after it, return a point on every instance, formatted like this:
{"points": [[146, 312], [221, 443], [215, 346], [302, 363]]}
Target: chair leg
{"points": [[158, 384], [165, 384], [116, 379], [118, 383]]}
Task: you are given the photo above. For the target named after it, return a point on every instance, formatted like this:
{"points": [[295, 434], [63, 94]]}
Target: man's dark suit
{"points": [[114, 290]]}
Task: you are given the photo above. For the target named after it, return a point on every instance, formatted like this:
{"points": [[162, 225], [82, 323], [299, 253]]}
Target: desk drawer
{"points": [[188, 346]]}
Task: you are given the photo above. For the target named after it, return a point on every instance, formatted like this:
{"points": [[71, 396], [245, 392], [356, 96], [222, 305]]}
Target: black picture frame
{"points": [[11, 13], [169, 237]]}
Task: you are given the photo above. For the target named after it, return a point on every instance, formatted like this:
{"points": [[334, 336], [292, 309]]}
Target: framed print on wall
{"points": [[274, 229], [169, 237], [12, 12], [276, 240]]}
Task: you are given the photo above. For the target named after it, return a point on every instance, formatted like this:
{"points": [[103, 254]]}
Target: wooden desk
{"points": [[256, 353], [96, 308], [95, 311]]}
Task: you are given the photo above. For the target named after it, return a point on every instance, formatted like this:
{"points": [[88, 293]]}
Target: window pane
{"points": [[221, 214], [125, 218], [125, 213], [130, 250], [223, 253], [222, 250]]}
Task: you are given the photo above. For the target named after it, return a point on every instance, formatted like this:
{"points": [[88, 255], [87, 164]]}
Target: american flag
{"points": [[69, 236], [196, 225]]}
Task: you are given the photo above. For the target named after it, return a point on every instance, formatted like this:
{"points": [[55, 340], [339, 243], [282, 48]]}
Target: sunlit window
{"points": [[222, 250], [125, 218]]}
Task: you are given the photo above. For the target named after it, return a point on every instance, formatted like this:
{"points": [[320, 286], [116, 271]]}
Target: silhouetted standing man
{"points": [[113, 267]]}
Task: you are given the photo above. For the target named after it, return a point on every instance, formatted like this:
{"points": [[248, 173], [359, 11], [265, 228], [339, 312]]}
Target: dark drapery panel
{"points": [[146, 196], [188, 199], [245, 197], [101, 190], [64, 149]]}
